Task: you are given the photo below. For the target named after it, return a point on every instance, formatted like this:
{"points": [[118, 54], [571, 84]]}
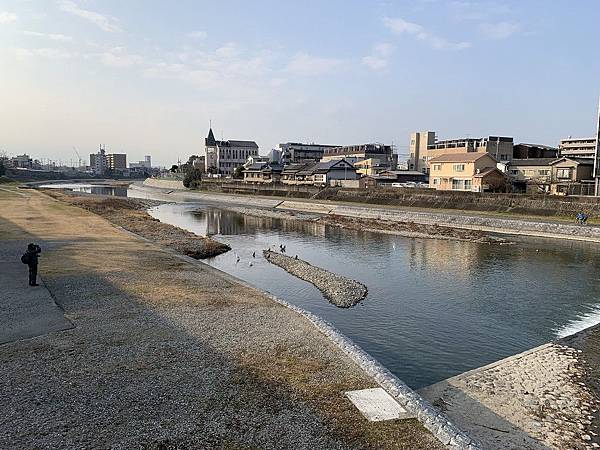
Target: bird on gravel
{"points": [[250, 264]]}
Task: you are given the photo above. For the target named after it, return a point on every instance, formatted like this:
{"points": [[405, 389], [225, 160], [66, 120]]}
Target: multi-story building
{"points": [[535, 151], [424, 146], [419, 143], [224, 156], [297, 152], [99, 162], [21, 161], [146, 163], [577, 147], [354, 153], [116, 161], [467, 171]]}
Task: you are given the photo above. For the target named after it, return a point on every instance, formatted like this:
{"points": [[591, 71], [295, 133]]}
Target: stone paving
{"points": [[534, 400]]}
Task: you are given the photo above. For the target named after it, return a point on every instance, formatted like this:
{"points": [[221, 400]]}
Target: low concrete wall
{"points": [[541, 205], [165, 184]]}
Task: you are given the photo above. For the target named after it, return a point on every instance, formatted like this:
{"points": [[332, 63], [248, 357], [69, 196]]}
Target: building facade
{"points": [[525, 151], [263, 173], [298, 152], [577, 147], [223, 157], [424, 146], [99, 162], [572, 176], [473, 171], [419, 143], [354, 153], [531, 175], [116, 161]]}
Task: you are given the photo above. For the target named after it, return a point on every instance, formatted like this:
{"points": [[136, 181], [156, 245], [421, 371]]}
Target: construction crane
{"points": [[79, 160]]}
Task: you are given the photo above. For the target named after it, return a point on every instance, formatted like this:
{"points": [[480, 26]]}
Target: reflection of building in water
{"points": [[456, 258], [230, 223]]}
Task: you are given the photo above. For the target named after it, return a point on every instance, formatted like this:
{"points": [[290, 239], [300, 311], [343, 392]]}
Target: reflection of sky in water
{"points": [[435, 308]]}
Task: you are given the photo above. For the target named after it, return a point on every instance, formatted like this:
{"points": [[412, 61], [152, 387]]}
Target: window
{"points": [[436, 181], [458, 185], [468, 185], [514, 172], [563, 173], [503, 157], [458, 167], [437, 167], [544, 172]]}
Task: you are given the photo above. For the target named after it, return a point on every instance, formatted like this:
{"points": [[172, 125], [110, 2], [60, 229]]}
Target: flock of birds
{"points": [[282, 249]]}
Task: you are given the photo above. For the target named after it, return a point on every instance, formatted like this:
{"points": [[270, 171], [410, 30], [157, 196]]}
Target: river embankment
{"points": [[546, 397], [192, 357], [480, 222], [131, 214], [341, 291]]}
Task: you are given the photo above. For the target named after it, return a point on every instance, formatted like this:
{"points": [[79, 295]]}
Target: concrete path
{"points": [[25, 311], [535, 400]]}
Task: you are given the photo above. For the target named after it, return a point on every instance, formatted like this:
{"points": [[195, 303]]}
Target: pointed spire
{"points": [[210, 140]]}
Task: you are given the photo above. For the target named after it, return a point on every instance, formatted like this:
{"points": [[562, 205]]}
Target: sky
{"points": [[148, 76]]}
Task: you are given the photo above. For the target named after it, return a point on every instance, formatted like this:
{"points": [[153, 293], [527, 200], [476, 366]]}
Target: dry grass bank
{"points": [[131, 214]]}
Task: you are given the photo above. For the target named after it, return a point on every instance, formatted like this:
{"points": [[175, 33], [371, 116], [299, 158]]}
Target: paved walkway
{"points": [[25, 311]]}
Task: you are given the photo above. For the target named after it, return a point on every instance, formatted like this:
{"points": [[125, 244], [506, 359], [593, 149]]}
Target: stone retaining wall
{"points": [[165, 184]]}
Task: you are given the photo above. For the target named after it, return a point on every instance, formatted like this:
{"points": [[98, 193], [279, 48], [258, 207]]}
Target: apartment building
{"points": [[116, 161], [99, 162], [424, 146], [577, 147], [472, 171], [297, 152], [224, 156], [354, 153]]}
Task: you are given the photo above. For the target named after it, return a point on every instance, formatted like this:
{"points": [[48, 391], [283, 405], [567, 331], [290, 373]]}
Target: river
{"points": [[435, 308]]}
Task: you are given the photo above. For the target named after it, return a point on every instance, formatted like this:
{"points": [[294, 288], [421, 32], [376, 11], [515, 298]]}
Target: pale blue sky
{"points": [[146, 76]]}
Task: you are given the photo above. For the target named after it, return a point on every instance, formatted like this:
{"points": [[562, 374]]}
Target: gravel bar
{"points": [[341, 291]]}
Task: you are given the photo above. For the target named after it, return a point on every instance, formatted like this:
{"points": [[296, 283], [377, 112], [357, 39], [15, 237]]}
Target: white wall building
{"points": [[224, 157]]}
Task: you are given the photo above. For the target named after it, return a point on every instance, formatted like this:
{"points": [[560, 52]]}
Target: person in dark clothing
{"points": [[31, 259]]}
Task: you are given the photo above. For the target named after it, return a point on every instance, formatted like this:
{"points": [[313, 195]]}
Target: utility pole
{"points": [[597, 155]]}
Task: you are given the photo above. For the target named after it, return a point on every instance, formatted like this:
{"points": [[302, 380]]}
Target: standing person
{"points": [[30, 257]]}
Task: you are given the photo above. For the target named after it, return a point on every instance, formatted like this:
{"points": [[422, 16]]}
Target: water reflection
{"points": [[435, 308], [89, 189]]}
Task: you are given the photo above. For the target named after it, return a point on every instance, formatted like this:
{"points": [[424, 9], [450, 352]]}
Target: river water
{"points": [[435, 308]]}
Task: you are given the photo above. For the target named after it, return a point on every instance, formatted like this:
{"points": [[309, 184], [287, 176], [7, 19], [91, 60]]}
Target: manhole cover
{"points": [[377, 405]]}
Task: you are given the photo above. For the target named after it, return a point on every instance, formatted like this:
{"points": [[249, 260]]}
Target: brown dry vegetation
{"points": [[131, 214], [406, 228]]}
